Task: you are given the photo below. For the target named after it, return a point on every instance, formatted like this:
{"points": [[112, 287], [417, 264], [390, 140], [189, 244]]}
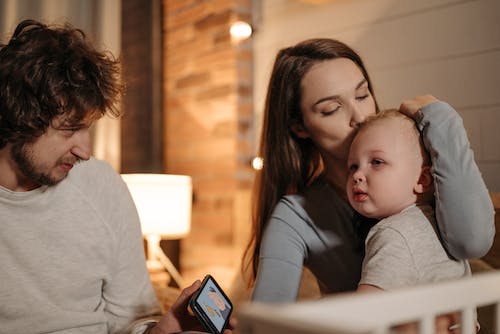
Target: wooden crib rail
{"points": [[377, 313]]}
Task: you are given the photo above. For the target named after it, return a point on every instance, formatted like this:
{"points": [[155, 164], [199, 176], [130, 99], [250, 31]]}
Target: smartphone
{"points": [[211, 306]]}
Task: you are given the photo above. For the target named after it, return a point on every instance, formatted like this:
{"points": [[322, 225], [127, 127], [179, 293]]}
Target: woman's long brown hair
{"points": [[290, 163]]}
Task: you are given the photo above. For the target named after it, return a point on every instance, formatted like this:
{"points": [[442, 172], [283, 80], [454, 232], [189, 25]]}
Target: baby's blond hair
{"points": [[405, 121]]}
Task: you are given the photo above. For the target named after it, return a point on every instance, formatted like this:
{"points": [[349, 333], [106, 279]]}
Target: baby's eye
{"points": [[377, 162], [352, 168]]}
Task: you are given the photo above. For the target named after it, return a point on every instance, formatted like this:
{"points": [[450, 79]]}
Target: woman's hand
{"points": [[412, 106]]}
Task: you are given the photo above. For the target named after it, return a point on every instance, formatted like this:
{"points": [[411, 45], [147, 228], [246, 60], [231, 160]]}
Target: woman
{"points": [[318, 93]]}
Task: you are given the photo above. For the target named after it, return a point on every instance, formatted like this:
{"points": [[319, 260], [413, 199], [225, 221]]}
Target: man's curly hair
{"points": [[50, 71]]}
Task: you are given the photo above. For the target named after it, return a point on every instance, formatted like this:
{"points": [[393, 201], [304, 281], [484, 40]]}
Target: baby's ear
{"points": [[424, 183]]}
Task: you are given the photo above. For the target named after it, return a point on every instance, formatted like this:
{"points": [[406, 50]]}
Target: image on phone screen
{"points": [[211, 305]]}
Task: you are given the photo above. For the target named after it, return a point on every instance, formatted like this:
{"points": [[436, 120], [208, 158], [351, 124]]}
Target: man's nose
{"points": [[82, 146]]}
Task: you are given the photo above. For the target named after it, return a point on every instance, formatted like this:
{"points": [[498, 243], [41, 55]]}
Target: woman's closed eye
{"points": [[362, 97], [330, 112], [362, 91]]}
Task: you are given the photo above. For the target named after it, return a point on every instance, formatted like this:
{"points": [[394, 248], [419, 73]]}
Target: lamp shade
{"points": [[163, 202]]}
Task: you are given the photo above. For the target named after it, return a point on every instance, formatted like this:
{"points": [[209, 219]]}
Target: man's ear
{"points": [[299, 130], [424, 183]]}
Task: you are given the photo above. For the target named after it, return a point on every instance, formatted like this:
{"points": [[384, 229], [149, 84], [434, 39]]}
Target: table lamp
{"points": [[163, 202]]}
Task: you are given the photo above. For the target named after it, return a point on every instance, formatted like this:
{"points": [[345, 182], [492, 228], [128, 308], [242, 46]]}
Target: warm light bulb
{"points": [[257, 163], [240, 30]]}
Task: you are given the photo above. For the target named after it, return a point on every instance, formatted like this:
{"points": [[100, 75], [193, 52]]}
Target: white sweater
{"points": [[71, 256]]}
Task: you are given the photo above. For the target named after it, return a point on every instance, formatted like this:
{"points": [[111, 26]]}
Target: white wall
{"points": [[449, 48]]}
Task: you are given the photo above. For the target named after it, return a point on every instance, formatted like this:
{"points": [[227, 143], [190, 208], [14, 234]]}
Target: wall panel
{"points": [[450, 48]]}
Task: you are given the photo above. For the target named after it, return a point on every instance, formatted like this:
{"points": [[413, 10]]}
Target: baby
{"points": [[390, 180]]}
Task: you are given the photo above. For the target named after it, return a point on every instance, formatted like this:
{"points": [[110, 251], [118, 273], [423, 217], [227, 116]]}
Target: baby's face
{"points": [[384, 167], [217, 300]]}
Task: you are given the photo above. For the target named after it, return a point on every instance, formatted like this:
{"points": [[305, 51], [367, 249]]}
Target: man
{"points": [[71, 252]]}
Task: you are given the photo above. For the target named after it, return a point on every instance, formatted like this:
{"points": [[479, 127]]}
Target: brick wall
{"points": [[208, 129]]}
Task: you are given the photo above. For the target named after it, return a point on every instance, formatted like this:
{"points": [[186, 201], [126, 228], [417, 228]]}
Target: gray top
{"points": [[319, 229], [72, 257], [404, 250]]}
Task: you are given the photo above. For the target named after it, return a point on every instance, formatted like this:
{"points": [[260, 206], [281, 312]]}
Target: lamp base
{"points": [[157, 274], [169, 266], [156, 258]]}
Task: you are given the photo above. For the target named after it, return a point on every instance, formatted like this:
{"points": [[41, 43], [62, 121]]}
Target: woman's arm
{"points": [[282, 255], [464, 210]]}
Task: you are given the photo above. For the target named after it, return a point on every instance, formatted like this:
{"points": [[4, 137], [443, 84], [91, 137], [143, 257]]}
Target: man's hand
{"points": [[178, 319], [412, 106]]}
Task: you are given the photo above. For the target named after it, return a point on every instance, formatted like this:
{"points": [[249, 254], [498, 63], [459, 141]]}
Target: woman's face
{"points": [[335, 99]]}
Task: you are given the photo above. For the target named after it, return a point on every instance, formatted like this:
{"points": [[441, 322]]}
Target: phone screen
{"points": [[211, 306]]}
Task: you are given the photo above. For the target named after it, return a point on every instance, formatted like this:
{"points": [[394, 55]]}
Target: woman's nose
{"points": [[357, 116]]}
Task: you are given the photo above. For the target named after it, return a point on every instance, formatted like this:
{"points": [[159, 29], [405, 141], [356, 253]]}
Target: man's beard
{"points": [[24, 161]]}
